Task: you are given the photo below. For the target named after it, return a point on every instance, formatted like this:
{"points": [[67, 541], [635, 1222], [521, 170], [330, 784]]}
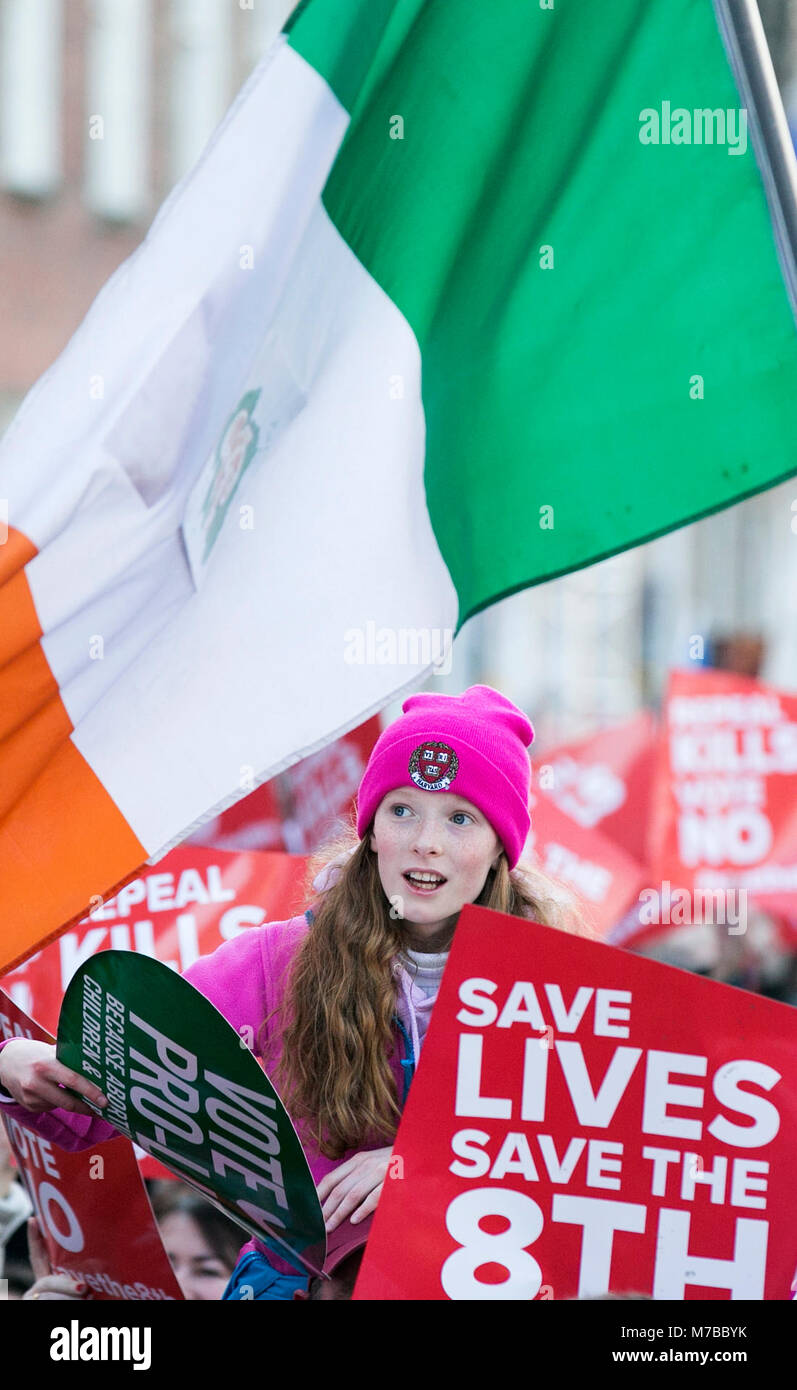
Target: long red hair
{"points": [[336, 1019]]}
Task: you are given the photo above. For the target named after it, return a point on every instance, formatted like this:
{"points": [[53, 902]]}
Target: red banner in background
{"points": [[317, 794], [604, 879], [724, 819], [603, 782], [183, 907], [253, 823], [584, 1120], [92, 1208], [302, 807]]}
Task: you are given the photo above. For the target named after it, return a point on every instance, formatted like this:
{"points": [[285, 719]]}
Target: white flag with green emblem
{"points": [[440, 313]]}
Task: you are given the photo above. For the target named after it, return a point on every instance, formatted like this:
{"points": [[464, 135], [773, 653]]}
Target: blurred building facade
{"points": [[105, 104], [587, 650]]}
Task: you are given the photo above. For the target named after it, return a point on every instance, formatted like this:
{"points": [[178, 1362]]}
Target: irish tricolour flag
{"points": [[441, 312]]}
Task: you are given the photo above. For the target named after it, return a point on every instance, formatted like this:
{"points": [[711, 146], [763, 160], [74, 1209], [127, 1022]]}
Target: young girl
{"points": [[338, 1000]]}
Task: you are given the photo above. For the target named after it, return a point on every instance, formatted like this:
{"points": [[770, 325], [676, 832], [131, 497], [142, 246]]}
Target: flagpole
{"points": [[745, 41]]}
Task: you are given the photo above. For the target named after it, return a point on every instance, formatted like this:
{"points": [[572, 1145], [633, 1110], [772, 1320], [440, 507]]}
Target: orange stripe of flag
{"points": [[63, 840], [26, 685], [19, 622], [64, 843], [15, 552], [26, 752]]}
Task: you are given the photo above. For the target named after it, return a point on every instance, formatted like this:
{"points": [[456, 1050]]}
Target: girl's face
{"points": [[435, 850], [199, 1271]]}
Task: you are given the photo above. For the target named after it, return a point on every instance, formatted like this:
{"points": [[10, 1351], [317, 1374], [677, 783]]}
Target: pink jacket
{"points": [[244, 979]]}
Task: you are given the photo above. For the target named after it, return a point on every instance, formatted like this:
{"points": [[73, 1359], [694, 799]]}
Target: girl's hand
{"points": [[30, 1073], [8, 1170], [48, 1285], [37, 1250], [52, 1286], [353, 1189]]}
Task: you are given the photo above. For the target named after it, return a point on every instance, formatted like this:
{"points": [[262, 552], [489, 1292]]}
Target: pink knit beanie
{"points": [[472, 744]]}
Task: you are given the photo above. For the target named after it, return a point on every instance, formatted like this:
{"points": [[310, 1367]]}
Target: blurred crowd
{"points": [[201, 1243]]}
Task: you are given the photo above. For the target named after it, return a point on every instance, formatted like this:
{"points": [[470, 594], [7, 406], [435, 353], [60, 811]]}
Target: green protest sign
{"points": [[182, 1085]]}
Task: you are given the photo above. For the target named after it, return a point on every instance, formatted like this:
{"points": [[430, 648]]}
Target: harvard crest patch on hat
{"points": [[433, 766]]}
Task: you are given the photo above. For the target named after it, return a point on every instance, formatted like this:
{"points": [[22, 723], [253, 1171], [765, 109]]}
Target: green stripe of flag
{"points": [[573, 386]]}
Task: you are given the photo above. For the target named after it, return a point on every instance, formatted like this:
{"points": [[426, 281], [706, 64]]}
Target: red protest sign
{"points": [[183, 908], [317, 794], [603, 877], [586, 1120], [300, 808], [724, 821], [253, 823], [92, 1207], [603, 781]]}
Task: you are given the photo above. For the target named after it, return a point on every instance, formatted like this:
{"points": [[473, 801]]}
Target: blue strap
{"points": [[407, 1062], [255, 1278]]}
